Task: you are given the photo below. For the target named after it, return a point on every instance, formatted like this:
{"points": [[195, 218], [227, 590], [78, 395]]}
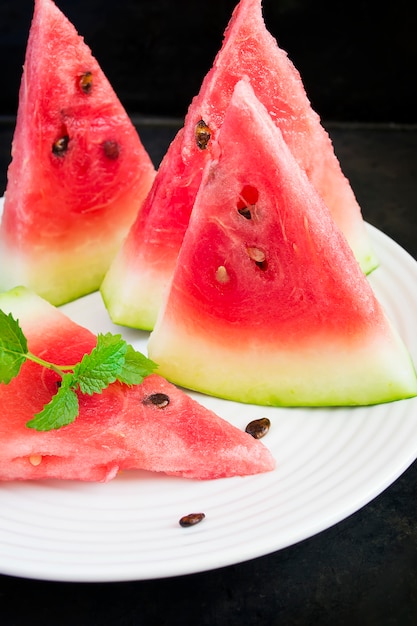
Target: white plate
{"points": [[330, 462]]}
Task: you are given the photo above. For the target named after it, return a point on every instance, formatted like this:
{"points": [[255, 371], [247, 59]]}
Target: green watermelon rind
{"points": [[59, 275], [124, 309], [379, 372]]}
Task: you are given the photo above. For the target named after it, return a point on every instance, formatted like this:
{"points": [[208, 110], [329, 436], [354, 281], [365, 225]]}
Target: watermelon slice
{"points": [[134, 286], [79, 171], [120, 429], [267, 304]]}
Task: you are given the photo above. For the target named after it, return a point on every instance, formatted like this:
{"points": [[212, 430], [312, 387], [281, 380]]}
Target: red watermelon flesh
{"points": [[134, 286], [79, 171], [267, 304], [117, 430]]}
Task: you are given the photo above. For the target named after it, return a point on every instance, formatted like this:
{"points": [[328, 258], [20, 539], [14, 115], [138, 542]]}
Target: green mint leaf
{"points": [[13, 347], [135, 368], [102, 366], [112, 359], [60, 411]]}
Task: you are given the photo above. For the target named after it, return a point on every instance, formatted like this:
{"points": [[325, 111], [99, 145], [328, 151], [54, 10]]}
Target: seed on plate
{"points": [[258, 428], [191, 519], [160, 400]]}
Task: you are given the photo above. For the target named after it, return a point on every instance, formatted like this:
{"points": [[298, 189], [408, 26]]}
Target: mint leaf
{"points": [[112, 359], [13, 347], [135, 368], [102, 366], [60, 411]]}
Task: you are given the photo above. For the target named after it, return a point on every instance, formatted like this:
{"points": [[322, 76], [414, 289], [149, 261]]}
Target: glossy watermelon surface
{"points": [[79, 172], [133, 288], [119, 429], [268, 304]]}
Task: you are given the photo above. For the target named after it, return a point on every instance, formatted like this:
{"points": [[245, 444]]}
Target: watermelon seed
{"points": [[161, 400], [202, 134], [191, 519], [86, 82], [258, 256], [221, 274], [245, 212], [258, 428], [60, 146], [35, 459], [111, 149]]}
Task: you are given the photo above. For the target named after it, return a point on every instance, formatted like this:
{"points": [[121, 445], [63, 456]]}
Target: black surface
{"points": [[357, 57], [362, 571]]}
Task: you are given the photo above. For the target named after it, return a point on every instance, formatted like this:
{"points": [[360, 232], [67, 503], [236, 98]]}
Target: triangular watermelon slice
{"points": [[79, 172], [134, 286], [268, 304], [119, 429]]}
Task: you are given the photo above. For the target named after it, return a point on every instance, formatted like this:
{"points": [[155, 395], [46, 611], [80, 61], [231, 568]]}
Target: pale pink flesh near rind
{"points": [[115, 430], [65, 216], [301, 327], [149, 254]]}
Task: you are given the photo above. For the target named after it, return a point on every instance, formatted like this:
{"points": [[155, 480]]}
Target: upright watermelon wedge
{"points": [[267, 304], [79, 171], [152, 426], [133, 287]]}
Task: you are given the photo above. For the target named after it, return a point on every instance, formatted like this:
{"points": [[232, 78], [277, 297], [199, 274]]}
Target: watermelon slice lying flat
{"points": [[133, 288], [268, 304], [119, 429], [79, 172]]}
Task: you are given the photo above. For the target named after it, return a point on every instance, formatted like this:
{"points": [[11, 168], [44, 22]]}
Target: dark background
{"points": [[358, 59]]}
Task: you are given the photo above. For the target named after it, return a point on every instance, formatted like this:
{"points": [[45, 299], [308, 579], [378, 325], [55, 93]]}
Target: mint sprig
{"points": [[111, 360]]}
